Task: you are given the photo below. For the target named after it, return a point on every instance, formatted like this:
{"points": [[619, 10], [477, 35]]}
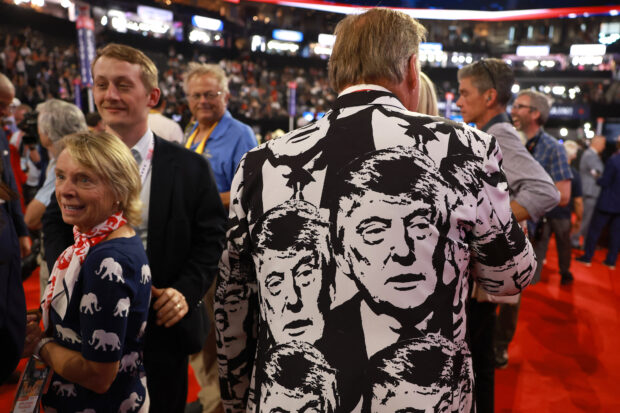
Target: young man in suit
{"points": [[182, 221]]}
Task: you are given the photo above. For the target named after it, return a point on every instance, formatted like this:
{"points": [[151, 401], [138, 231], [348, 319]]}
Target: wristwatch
{"points": [[39, 346]]}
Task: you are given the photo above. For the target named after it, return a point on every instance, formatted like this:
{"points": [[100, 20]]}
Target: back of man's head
{"points": [[373, 46], [540, 102], [131, 55], [488, 74]]}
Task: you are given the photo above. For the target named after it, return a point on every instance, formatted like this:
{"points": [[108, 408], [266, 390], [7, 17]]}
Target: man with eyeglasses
{"points": [[223, 141], [530, 112], [485, 90], [215, 134]]}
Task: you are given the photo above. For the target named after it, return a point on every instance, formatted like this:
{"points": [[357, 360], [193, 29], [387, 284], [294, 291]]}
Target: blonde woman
{"points": [[96, 304]]}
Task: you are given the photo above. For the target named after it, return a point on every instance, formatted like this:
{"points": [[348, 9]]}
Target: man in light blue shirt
{"points": [[215, 134], [222, 140]]}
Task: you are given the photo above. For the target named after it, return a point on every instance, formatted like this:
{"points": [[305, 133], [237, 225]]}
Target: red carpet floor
{"points": [[565, 354]]}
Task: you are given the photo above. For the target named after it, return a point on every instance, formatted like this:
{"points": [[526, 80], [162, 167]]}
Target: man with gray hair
{"points": [[222, 140], [485, 90], [417, 205], [530, 112], [215, 134], [56, 119]]}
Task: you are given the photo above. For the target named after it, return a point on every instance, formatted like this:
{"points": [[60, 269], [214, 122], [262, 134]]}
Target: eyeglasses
{"points": [[484, 65], [207, 95], [518, 106]]}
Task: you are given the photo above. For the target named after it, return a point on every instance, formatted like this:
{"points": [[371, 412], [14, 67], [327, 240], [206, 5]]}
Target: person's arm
{"points": [[247, 141], [71, 365], [34, 213], [533, 191], [519, 211], [564, 188], [503, 260], [225, 197], [236, 266], [561, 174]]}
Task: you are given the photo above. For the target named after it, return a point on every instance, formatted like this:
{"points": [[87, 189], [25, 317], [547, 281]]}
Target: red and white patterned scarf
{"points": [[68, 265]]}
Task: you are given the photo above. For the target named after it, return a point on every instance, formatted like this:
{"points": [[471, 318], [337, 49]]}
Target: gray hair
{"points": [[58, 118], [488, 74], [372, 46], [540, 102], [201, 69]]}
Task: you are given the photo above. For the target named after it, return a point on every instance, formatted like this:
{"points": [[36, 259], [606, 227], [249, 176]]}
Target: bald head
{"points": [[7, 93], [598, 143]]}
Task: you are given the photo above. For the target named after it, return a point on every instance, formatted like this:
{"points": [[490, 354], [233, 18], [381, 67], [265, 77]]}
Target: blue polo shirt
{"points": [[227, 144]]}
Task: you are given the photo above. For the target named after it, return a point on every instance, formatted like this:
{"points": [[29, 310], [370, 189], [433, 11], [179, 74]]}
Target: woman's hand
{"points": [[34, 333]]}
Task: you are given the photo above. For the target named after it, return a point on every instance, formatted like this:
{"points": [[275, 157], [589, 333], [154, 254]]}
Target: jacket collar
{"points": [[365, 94]]}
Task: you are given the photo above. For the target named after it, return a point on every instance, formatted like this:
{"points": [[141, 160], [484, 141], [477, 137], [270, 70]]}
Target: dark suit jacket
{"points": [[186, 230], [609, 199], [12, 300]]}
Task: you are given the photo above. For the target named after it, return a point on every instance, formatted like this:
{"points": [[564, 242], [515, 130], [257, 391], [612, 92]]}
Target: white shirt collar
{"points": [[357, 88], [142, 146]]}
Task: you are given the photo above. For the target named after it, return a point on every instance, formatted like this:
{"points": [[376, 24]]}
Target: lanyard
{"points": [[531, 144], [145, 166], [201, 147]]}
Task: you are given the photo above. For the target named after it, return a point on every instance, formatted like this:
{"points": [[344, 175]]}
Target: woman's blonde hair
{"points": [[427, 103], [108, 157]]}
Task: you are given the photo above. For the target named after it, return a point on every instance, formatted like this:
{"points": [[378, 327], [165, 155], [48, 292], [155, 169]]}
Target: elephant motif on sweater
{"points": [[64, 389], [111, 270], [102, 339], [66, 334], [129, 362], [146, 274], [89, 304], [130, 404], [122, 307]]}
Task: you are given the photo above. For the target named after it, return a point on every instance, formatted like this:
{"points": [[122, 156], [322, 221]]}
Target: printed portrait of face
{"points": [[289, 265], [296, 378], [386, 227], [412, 376], [235, 308]]}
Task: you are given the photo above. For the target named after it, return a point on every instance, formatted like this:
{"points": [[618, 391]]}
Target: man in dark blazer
{"points": [[183, 221], [607, 213], [14, 242]]}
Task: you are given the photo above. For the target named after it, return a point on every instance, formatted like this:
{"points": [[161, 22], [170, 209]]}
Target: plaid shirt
{"points": [[551, 155]]}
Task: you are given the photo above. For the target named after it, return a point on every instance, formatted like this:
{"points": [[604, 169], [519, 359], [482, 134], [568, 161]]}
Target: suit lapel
{"points": [[162, 178]]}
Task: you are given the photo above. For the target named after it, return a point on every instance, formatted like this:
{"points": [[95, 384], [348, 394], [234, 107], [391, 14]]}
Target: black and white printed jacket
{"points": [[351, 242]]}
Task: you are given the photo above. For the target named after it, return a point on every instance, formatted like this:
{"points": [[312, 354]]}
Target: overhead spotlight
{"points": [[563, 132], [589, 134], [613, 12], [587, 126], [547, 89], [104, 21], [515, 88]]}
